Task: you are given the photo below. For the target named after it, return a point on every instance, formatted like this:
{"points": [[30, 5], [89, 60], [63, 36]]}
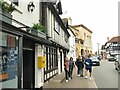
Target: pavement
{"points": [[76, 82]]}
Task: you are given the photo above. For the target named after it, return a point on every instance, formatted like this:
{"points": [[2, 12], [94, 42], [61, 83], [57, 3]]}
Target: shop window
{"points": [[51, 62], [8, 61]]}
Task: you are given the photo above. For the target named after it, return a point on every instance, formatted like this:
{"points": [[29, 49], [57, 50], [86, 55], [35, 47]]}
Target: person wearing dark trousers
{"points": [[71, 65], [80, 65], [88, 67], [66, 68], [83, 58]]}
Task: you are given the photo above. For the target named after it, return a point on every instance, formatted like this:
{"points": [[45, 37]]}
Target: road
{"points": [[105, 75]]}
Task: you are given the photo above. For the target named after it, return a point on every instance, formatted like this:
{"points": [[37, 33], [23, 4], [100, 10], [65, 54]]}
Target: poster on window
{"points": [[8, 63]]}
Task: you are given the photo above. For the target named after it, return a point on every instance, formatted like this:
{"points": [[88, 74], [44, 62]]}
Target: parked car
{"points": [[111, 58], [99, 57], [95, 61], [117, 63]]}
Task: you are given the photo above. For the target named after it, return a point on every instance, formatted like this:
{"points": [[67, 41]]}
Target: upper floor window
{"points": [[57, 28], [65, 37]]}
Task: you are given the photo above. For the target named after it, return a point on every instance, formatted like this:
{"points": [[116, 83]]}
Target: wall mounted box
{"points": [[41, 62]]}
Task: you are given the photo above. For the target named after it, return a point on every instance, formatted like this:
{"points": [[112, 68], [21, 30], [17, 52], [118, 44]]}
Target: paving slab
{"points": [[75, 82]]}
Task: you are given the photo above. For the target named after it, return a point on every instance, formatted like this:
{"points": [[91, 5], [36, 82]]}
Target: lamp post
{"points": [[98, 48]]}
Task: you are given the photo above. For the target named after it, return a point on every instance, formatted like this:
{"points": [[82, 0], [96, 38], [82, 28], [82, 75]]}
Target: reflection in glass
{"points": [[8, 60]]}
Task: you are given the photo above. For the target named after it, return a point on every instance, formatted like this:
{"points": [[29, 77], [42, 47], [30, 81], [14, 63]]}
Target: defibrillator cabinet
{"points": [[41, 62]]}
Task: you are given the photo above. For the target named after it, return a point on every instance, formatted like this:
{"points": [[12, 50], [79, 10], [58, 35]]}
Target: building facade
{"points": [[72, 50], [83, 40], [112, 47], [28, 57]]}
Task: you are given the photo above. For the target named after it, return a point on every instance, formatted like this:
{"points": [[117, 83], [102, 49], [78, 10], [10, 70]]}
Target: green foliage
{"points": [[39, 27], [8, 8]]}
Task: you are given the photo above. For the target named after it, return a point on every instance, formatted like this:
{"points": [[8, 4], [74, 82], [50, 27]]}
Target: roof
{"points": [[73, 28], [56, 15], [72, 31], [114, 39], [81, 25]]}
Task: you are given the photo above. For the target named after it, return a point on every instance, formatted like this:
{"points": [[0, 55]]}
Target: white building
{"points": [[72, 50], [30, 48]]}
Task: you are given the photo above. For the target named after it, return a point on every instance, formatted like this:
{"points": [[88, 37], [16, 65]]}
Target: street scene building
{"points": [[112, 47], [35, 43], [83, 40], [27, 40]]}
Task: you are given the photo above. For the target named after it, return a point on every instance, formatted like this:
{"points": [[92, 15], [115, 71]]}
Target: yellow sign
{"points": [[41, 62]]}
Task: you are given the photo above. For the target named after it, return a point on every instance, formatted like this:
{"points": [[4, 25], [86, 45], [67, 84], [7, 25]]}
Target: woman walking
{"points": [[71, 65], [66, 68]]}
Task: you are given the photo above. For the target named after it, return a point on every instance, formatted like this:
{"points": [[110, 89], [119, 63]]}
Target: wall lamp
{"points": [[31, 7]]}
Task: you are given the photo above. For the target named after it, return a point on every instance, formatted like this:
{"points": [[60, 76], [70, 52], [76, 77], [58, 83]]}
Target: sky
{"points": [[100, 16]]}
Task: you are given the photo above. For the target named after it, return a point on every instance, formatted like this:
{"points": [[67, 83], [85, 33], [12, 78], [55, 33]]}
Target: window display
{"points": [[8, 60]]}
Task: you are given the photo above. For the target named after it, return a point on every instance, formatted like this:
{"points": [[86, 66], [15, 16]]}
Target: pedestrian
{"points": [[80, 65], [88, 67], [71, 65], [83, 58], [66, 68]]}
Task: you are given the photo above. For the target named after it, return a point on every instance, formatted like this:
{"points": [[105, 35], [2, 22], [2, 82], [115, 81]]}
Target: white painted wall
{"points": [[39, 73], [58, 61], [62, 61], [27, 18], [72, 52]]}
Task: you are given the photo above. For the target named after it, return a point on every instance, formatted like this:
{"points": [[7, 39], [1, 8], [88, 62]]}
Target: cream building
{"points": [[83, 40]]}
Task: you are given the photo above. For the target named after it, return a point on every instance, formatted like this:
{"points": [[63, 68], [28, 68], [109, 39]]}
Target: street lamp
{"points": [[98, 48]]}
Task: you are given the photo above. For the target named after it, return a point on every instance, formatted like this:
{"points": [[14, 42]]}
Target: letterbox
{"points": [[41, 62]]}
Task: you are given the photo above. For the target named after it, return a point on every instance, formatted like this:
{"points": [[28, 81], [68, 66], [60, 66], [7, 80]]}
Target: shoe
{"points": [[90, 78], [66, 80], [78, 75], [81, 75], [69, 78], [86, 77]]}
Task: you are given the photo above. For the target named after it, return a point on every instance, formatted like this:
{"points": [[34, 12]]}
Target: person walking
{"points": [[71, 65], [88, 67], [80, 65], [66, 68], [83, 58]]}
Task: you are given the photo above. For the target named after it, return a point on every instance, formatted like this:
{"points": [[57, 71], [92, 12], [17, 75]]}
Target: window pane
{"points": [[8, 61]]}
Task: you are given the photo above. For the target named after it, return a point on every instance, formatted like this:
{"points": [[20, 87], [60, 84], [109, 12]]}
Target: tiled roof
{"points": [[114, 39]]}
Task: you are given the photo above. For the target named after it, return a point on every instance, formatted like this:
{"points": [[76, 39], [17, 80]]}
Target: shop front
{"points": [[18, 59], [8, 60]]}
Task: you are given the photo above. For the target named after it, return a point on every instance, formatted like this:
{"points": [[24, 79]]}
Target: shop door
{"points": [[28, 68]]}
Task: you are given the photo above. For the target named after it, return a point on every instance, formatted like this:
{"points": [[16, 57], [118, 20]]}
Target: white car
{"points": [[95, 61]]}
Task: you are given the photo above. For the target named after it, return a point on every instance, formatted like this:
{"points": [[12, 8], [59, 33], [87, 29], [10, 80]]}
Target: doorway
{"points": [[28, 64]]}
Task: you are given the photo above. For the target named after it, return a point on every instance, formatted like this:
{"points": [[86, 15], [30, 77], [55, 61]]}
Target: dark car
{"points": [[117, 63], [95, 61]]}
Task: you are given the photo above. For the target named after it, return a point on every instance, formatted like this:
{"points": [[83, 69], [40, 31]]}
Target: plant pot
{"points": [[34, 32], [6, 17]]}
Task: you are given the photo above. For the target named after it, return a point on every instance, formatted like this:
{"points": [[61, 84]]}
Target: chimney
{"points": [[107, 38], [69, 21]]}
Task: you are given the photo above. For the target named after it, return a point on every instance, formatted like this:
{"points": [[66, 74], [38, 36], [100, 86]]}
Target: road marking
{"points": [[94, 82]]}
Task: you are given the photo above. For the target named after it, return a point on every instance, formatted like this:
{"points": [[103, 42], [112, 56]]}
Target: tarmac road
{"points": [[105, 75]]}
